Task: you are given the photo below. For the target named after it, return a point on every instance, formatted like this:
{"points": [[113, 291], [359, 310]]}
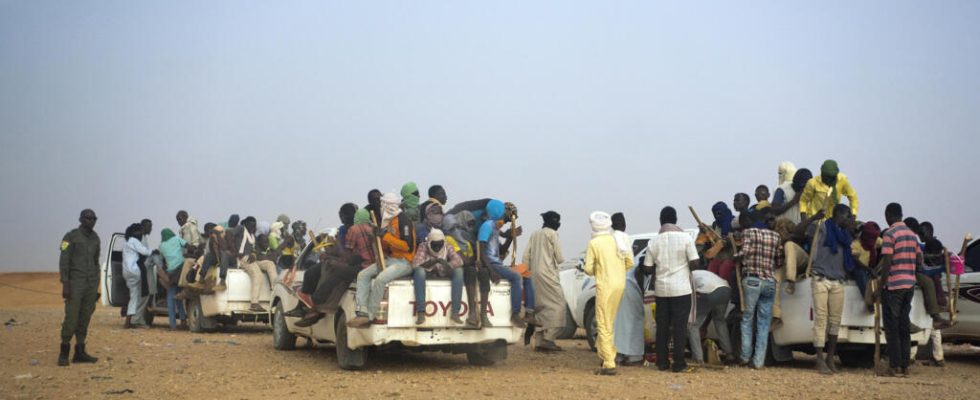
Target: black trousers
{"points": [[672, 314], [896, 305], [336, 278]]}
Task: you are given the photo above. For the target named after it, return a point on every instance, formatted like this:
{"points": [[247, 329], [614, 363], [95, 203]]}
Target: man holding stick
{"points": [[831, 255], [900, 254]]}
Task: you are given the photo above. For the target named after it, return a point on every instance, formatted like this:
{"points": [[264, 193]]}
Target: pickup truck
{"points": [[856, 336], [206, 311], [395, 327]]}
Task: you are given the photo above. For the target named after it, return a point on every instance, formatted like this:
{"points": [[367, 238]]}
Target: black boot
{"points": [[63, 355], [831, 351], [822, 364], [81, 356], [473, 318]]}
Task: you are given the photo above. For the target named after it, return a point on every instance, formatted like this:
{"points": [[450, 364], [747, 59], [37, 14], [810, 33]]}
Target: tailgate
{"points": [[401, 304]]}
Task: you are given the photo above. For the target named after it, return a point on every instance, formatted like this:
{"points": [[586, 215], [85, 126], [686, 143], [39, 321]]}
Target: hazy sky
{"points": [[137, 109]]}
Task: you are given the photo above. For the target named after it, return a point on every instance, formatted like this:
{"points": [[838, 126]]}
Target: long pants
{"points": [[937, 345], [311, 280], [135, 292], [672, 315], [896, 305], [369, 293], [528, 294], [516, 286], [456, 282], [606, 304], [140, 317], [828, 307], [79, 308], [861, 277], [759, 297], [330, 281], [472, 274], [795, 256], [225, 262], [714, 305], [255, 271], [930, 297], [175, 308]]}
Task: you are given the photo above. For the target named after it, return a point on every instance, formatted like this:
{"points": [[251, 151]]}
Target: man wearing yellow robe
{"points": [[604, 261]]}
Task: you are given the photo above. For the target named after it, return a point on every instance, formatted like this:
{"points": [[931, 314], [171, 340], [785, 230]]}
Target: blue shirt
{"points": [[491, 250], [173, 252]]}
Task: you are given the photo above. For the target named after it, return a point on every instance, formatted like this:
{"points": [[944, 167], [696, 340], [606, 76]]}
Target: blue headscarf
{"points": [[725, 222], [836, 238]]}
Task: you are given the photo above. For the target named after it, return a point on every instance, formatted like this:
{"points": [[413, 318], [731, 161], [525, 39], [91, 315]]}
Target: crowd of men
{"points": [[805, 231]]}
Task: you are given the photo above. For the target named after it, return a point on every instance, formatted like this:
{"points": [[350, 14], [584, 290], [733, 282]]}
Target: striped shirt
{"points": [[902, 244]]}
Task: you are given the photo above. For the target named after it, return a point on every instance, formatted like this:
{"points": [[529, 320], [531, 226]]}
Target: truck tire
{"points": [[282, 339], [857, 358], [347, 359], [568, 331], [591, 326], [485, 355], [195, 317]]}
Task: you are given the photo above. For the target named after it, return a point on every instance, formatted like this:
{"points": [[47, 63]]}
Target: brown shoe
{"points": [[547, 346], [456, 320], [360, 322], [517, 321], [606, 371], [419, 318]]}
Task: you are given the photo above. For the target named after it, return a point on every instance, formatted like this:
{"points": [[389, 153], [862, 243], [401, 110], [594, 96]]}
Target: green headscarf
{"points": [[828, 174], [410, 201], [166, 234], [362, 216]]}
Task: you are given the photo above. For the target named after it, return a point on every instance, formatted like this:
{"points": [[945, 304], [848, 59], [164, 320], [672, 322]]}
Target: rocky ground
{"points": [[240, 363]]}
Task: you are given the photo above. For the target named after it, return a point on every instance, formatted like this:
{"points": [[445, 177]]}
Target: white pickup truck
{"points": [[397, 329], [205, 312], [856, 336]]}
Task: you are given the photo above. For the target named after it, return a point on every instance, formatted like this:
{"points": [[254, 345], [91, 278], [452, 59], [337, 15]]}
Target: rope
{"points": [[29, 290]]}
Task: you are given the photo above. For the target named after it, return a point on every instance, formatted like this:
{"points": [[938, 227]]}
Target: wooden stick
{"points": [[738, 276], [877, 316], [949, 286], [513, 241], [813, 249], [377, 242], [956, 292]]}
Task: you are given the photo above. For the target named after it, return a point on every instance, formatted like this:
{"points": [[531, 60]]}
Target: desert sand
{"points": [[240, 363]]}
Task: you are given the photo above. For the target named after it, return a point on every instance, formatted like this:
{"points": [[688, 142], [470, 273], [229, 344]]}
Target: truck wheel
{"points": [[348, 359], [282, 339], [568, 331], [195, 317], [857, 358], [485, 355], [591, 326]]}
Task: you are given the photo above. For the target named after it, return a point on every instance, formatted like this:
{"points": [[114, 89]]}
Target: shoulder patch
{"points": [[64, 245]]}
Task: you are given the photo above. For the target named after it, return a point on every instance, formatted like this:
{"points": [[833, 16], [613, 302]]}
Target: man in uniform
{"points": [[79, 269]]}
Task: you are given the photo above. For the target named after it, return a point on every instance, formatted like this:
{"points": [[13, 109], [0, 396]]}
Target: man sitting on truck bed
{"points": [[434, 257], [244, 239], [398, 243]]}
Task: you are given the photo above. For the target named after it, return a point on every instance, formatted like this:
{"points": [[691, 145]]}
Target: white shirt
{"points": [[671, 252], [792, 213], [131, 255], [706, 281]]}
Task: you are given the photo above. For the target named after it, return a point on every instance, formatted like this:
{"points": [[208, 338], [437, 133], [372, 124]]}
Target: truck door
{"points": [[114, 291]]}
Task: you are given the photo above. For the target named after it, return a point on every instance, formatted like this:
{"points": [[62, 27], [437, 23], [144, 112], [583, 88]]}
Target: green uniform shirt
{"points": [[79, 256]]}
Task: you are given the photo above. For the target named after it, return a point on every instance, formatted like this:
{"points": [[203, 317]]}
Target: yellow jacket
{"points": [[814, 197]]}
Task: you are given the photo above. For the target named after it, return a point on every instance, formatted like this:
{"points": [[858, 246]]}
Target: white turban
{"points": [[601, 223], [390, 208], [436, 235], [786, 172]]}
